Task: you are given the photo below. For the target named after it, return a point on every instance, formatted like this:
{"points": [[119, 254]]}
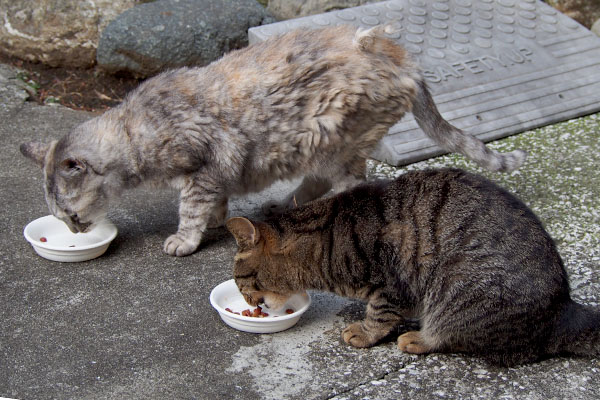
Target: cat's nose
{"points": [[75, 225], [83, 227], [251, 300]]}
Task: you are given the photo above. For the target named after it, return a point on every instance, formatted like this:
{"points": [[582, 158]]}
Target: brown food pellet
{"points": [[233, 312], [289, 311], [43, 239], [256, 313]]}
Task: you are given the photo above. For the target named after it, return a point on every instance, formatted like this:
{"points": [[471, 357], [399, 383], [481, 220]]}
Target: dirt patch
{"points": [[79, 89]]}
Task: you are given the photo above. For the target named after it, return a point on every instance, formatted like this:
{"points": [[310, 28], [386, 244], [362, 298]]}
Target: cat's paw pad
{"points": [[355, 335], [412, 342], [178, 245]]}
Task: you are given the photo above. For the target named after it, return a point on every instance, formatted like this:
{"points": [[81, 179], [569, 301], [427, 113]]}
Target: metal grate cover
{"points": [[494, 67]]}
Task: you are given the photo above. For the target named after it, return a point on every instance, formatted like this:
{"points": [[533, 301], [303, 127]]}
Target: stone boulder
{"points": [[56, 32], [586, 12], [596, 27], [164, 34], [288, 9]]}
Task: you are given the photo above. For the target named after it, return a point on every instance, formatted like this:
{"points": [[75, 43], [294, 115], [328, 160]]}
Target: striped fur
{"points": [[469, 260], [312, 103]]}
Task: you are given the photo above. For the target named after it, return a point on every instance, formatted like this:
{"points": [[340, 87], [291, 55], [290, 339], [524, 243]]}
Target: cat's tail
{"points": [[434, 125], [577, 331], [455, 140]]}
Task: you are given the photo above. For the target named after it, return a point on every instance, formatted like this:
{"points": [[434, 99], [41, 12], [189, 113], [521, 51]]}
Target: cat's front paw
{"points": [[412, 342], [178, 245], [357, 336]]}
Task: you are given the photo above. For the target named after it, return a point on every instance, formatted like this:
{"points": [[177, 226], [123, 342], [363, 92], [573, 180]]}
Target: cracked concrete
{"points": [[136, 323]]}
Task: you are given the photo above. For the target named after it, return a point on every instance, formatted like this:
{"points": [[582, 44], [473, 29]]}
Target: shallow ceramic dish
{"points": [[227, 295], [52, 239]]}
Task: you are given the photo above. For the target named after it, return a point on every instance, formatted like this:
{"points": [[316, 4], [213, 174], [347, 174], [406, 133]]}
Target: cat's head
{"points": [[73, 188], [263, 269]]}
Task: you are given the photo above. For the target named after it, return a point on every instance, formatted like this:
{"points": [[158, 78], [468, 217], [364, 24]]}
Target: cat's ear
{"points": [[72, 166], [243, 230], [35, 151]]}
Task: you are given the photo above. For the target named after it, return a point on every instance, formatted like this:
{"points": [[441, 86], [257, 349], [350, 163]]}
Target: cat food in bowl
{"points": [[229, 302], [52, 239]]}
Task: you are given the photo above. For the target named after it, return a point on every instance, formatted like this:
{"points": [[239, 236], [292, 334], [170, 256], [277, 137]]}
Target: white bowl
{"points": [[63, 245], [227, 295]]}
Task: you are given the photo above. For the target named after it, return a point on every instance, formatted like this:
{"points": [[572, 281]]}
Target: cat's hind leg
{"points": [[312, 187], [353, 173], [435, 335], [413, 342], [219, 215], [381, 319]]}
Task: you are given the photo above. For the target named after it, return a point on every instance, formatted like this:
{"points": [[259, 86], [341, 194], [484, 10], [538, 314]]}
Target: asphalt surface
{"points": [[137, 323]]}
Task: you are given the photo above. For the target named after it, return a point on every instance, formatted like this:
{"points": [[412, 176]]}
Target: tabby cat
{"points": [[451, 249], [312, 103]]}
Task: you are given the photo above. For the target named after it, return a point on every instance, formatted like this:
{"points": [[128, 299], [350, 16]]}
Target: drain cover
{"points": [[495, 67]]}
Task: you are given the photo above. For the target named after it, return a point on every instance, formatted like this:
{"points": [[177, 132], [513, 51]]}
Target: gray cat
{"points": [[312, 103], [463, 256]]}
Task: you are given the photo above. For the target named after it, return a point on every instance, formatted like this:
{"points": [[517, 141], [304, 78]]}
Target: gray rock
{"points": [[287, 9], [596, 27], [583, 11], [155, 36], [56, 32]]}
